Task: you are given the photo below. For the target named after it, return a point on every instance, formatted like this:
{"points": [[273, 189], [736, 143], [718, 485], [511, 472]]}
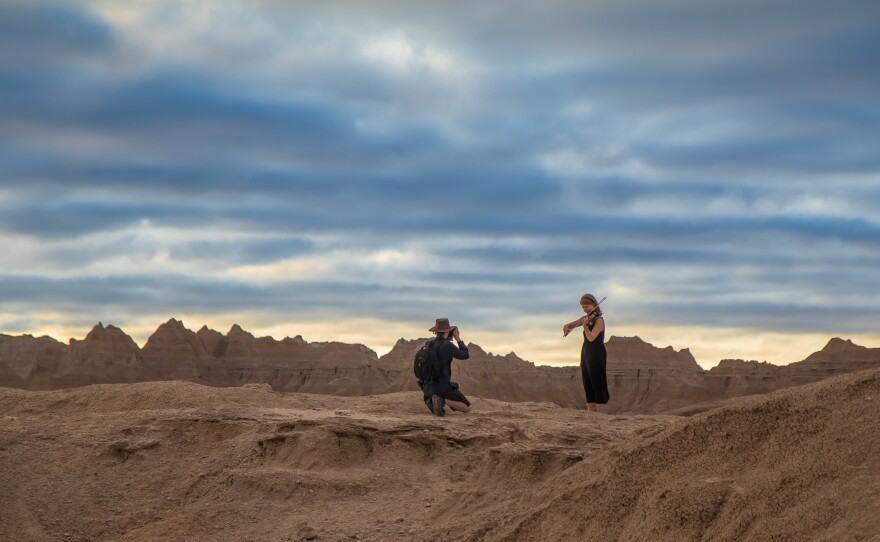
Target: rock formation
{"points": [[8, 376], [837, 357], [29, 357], [642, 378], [174, 352], [106, 355]]}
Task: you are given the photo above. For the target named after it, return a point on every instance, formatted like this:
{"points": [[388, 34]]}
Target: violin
{"points": [[593, 314]]}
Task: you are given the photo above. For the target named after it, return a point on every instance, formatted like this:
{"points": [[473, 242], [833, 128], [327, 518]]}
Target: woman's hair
{"points": [[591, 299]]}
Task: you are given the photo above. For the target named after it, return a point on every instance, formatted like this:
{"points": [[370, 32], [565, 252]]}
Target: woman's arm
{"points": [[598, 328], [566, 329]]}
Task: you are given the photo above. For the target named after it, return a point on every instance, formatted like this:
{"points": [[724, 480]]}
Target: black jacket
{"points": [[446, 352]]}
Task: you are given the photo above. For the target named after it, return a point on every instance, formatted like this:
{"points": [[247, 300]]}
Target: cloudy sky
{"points": [[353, 170]]}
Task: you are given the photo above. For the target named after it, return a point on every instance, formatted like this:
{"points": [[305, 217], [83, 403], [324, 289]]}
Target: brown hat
{"points": [[442, 326]]}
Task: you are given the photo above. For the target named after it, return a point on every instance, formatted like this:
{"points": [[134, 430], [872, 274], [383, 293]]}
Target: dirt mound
{"points": [[180, 461], [795, 465]]}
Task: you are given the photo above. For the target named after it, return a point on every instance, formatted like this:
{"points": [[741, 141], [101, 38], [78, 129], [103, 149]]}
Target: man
{"points": [[442, 392]]}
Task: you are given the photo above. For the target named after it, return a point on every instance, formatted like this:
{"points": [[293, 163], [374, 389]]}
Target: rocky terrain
{"points": [[178, 461], [642, 378]]}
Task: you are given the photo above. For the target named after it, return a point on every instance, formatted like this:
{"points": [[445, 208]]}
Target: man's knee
{"points": [[458, 406]]}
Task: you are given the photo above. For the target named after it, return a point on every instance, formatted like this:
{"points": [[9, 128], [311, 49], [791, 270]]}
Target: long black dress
{"points": [[593, 360]]}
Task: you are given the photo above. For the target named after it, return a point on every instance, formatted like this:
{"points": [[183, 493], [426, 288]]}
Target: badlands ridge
{"points": [[642, 378]]}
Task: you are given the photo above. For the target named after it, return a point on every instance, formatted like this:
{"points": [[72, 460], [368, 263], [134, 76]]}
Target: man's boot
{"points": [[438, 405]]}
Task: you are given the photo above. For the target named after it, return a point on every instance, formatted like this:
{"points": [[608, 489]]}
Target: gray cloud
{"points": [[246, 251], [51, 32], [706, 152]]}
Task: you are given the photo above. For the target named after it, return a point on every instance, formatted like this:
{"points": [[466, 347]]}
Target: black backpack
{"points": [[426, 364]]}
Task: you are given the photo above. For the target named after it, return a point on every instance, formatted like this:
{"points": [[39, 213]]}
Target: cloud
{"points": [[250, 251], [715, 164], [51, 33]]}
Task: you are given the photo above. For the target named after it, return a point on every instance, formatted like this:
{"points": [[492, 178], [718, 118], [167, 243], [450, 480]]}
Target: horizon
{"points": [[141, 341], [355, 170]]}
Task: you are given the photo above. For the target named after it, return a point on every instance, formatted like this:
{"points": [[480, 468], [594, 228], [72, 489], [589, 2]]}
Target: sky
{"points": [[353, 170]]}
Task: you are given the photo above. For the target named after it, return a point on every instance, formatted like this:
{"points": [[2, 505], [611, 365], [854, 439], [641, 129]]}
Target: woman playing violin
{"points": [[593, 354]]}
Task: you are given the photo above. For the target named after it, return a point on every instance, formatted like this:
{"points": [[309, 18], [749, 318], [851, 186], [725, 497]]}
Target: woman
{"points": [[593, 354]]}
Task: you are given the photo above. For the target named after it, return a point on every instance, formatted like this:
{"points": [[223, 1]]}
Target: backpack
{"points": [[426, 364]]}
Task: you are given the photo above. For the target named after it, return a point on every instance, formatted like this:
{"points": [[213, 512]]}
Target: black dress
{"points": [[593, 360]]}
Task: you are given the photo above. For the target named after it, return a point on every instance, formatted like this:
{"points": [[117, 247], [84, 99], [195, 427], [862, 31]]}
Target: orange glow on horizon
{"points": [[542, 345]]}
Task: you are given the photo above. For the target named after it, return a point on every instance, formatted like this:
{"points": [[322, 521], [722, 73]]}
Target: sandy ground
{"points": [[179, 461]]}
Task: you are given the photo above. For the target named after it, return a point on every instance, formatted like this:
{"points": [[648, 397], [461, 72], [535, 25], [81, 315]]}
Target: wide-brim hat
{"points": [[441, 325]]}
